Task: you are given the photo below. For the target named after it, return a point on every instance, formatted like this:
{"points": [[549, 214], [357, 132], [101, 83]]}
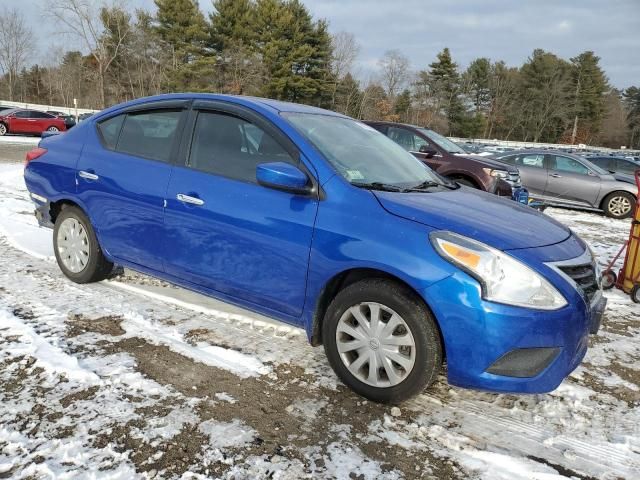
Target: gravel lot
{"points": [[134, 378]]}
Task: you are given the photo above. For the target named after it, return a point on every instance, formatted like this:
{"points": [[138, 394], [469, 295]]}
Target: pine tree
{"points": [[589, 86], [182, 28], [632, 103], [445, 82], [232, 23]]}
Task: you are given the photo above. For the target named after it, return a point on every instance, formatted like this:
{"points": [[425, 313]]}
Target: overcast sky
{"points": [[499, 29]]}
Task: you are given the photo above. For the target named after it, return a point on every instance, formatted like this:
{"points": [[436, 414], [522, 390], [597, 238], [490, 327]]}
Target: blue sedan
{"points": [[322, 222]]}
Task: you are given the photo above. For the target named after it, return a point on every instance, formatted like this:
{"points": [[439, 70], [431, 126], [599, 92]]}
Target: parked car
{"points": [[318, 220], [621, 168], [69, 120], [568, 180], [84, 116], [449, 159], [29, 122]]}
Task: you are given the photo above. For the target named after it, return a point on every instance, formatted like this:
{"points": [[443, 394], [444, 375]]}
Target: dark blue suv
{"points": [[322, 222]]}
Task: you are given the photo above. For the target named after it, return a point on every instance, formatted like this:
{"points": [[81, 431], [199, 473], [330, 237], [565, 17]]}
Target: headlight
{"points": [[497, 173], [503, 278]]}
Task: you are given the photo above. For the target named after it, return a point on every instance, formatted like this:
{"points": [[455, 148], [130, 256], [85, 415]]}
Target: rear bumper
{"points": [[503, 348]]}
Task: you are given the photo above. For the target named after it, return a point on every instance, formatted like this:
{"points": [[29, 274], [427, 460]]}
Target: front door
{"points": [[226, 232], [572, 181], [122, 178]]}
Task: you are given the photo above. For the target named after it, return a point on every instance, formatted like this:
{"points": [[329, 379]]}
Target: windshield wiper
{"points": [[425, 184], [385, 187]]}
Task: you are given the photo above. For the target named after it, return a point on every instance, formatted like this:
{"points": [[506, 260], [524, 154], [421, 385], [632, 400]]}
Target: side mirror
{"points": [[428, 151], [283, 176]]}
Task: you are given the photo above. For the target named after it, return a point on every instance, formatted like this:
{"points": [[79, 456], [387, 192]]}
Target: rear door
{"points": [[533, 171], [226, 232], [123, 175], [572, 181]]}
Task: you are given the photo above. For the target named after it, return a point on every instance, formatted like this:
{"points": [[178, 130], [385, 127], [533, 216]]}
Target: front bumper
{"points": [[503, 348]]}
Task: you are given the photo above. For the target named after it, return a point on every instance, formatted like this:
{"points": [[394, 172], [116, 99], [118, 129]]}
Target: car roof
{"points": [[277, 106]]}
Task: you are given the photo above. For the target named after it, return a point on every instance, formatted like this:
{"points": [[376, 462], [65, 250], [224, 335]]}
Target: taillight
{"points": [[35, 153]]}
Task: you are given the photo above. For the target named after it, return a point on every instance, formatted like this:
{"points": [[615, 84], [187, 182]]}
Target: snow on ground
{"points": [[133, 378], [19, 139]]}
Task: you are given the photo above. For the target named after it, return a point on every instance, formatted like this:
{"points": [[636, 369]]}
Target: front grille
{"points": [[584, 276], [514, 180]]}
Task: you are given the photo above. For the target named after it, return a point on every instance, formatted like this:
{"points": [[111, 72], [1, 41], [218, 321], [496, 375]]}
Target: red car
{"points": [[18, 120]]}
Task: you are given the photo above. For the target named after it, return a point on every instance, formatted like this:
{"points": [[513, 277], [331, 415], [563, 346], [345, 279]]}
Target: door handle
{"points": [[555, 175], [190, 200], [88, 175]]}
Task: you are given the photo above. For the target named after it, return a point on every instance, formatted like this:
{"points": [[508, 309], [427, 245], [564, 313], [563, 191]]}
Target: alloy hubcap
{"points": [[53, 129], [73, 245], [3, 129], [375, 344], [619, 206]]}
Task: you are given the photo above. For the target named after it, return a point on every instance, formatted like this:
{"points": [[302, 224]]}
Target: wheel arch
{"points": [[348, 277], [466, 176], [607, 195], [55, 207]]}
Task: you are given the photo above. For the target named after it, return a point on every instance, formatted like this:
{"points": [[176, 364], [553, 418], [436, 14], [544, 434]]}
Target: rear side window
{"points": [[232, 147], [149, 134], [536, 161], [109, 130], [23, 114], [625, 166]]}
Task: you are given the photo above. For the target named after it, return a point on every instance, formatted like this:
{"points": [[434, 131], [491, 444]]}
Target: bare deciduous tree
{"points": [[344, 51], [15, 46], [394, 67], [86, 19]]}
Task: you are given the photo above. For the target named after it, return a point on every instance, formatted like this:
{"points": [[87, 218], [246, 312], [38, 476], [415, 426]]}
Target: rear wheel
{"points": [[619, 204], [3, 129], [382, 341], [76, 248]]}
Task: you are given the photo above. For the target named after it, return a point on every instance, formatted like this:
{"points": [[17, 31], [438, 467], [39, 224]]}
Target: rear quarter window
{"points": [[110, 130]]}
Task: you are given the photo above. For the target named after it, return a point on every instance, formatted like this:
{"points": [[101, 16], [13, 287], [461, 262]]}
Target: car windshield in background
{"points": [[360, 153], [443, 142]]}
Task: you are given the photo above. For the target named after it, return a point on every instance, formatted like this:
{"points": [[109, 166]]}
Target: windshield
{"points": [[442, 141], [361, 154]]}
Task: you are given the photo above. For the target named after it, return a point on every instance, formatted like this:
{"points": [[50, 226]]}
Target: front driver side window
{"points": [[569, 165], [232, 147], [406, 139]]}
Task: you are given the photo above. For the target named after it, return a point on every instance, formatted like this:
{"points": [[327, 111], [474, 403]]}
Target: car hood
{"points": [[498, 222], [488, 161], [625, 177]]}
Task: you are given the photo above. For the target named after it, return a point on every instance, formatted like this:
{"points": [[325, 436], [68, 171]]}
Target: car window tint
{"points": [[23, 114], [624, 166], [149, 134], [606, 163], [531, 160], [109, 130], [232, 147], [406, 139], [569, 165]]}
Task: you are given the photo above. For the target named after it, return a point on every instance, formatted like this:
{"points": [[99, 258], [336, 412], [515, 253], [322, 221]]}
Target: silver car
{"points": [[566, 180]]}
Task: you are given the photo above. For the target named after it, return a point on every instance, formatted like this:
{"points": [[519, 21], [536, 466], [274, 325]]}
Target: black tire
{"points": [[466, 182], [97, 267], [607, 204], [428, 355], [635, 293], [609, 279]]}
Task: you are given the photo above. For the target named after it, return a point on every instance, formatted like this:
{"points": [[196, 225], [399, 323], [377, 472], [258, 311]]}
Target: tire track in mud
{"points": [[485, 424]]}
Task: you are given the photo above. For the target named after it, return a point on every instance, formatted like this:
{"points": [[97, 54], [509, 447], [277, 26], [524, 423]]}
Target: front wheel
{"points": [[76, 248], [3, 129], [619, 204], [382, 341], [53, 129]]}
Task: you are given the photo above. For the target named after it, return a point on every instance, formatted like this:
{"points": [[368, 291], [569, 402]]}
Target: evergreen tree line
{"points": [[276, 49]]}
